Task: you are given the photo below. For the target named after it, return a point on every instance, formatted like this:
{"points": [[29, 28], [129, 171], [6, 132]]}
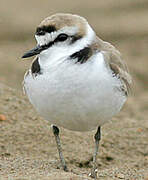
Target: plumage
{"points": [[84, 84], [114, 61]]}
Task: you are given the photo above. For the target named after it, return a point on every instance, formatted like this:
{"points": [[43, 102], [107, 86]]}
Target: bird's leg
{"points": [[57, 138], [97, 137]]}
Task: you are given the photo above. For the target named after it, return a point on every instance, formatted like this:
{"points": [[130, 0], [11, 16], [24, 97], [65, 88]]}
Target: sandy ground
{"points": [[27, 146]]}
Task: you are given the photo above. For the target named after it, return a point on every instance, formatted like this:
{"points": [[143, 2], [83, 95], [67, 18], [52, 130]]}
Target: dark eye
{"points": [[62, 37]]}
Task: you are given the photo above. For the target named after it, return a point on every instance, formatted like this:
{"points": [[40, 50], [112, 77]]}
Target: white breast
{"points": [[78, 97]]}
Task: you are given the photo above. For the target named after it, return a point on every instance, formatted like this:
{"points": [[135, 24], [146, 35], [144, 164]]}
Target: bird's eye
{"points": [[62, 37]]}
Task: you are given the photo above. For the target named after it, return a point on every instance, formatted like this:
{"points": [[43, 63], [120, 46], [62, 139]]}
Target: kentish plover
{"points": [[77, 81]]}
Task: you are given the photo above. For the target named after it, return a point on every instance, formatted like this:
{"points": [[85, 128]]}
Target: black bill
{"points": [[34, 51]]}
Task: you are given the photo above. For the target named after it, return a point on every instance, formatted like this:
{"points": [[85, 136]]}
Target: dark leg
{"points": [[57, 138], [97, 137]]}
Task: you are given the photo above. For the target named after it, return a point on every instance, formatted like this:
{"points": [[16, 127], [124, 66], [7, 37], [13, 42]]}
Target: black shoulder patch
{"points": [[83, 55], [35, 68]]}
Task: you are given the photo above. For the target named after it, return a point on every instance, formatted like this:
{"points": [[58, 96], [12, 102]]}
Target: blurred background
{"points": [[123, 23], [27, 146]]}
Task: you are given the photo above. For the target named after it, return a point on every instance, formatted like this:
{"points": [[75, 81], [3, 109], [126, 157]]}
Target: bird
{"points": [[77, 80]]}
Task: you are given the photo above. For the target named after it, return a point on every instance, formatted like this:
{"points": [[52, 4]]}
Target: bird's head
{"points": [[62, 31]]}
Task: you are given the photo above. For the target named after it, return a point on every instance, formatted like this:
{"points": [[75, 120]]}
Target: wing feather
{"points": [[115, 62]]}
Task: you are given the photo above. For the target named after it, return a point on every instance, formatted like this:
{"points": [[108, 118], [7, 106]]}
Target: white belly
{"points": [[77, 97]]}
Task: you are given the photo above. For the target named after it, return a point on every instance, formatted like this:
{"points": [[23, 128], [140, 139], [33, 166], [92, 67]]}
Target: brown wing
{"points": [[114, 61]]}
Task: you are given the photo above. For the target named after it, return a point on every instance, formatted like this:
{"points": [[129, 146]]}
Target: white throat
{"points": [[56, 54]]}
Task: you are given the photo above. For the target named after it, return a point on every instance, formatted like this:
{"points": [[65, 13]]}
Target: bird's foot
{"points": [[65, 168], [93, 173]]}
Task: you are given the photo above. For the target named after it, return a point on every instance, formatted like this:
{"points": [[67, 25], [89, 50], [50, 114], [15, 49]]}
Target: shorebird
{"points": [[77, 81]]}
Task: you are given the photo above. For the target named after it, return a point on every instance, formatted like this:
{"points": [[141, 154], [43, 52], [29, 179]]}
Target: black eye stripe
{"points": [[75, 38], [62, 37]]}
